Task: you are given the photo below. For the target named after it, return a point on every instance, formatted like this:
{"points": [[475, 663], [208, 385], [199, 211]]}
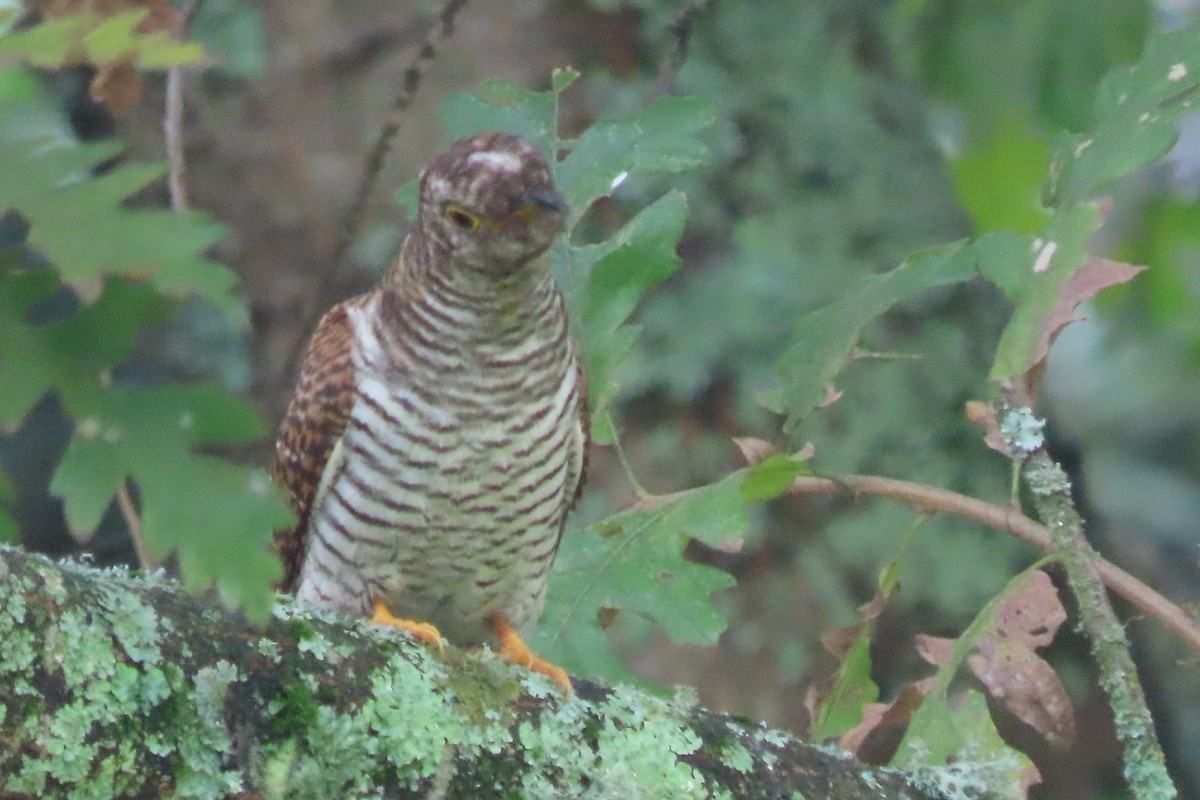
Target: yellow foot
{"points": [[514, 650], [418, 630]]}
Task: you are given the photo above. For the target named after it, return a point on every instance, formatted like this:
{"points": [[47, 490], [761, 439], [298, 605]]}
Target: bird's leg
{"points": [[514, 650], [423, 631]]}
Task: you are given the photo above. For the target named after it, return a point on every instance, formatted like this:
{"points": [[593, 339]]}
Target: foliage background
{"points": [[847, 136]]}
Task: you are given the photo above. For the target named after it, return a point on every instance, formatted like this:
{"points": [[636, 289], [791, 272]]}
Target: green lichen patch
{"points": [[634, 750]]}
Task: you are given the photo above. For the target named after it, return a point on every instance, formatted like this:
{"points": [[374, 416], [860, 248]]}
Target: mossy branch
{"points": [[131, 687], [1145, 768]]}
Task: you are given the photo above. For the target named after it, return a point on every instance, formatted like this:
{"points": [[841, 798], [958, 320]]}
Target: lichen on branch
{"points": [[113, 685]]}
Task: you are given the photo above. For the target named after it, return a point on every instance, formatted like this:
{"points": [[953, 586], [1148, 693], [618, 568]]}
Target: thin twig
{"points": [[134, 523], [173, 121], [443, 29], [681, 29]]}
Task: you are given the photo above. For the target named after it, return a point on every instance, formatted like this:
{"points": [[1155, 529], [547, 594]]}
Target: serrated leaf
{"points": [[1137, 119], [77, 220], [658, 138], [1049, 280], [615, 274], [826, 337], [72, 356], [217, 517], [942, 732], [633, 562], [1006, 662], [98, 40]]}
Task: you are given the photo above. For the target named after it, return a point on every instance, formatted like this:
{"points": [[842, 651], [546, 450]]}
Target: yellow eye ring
{"points": [[461, 217]]}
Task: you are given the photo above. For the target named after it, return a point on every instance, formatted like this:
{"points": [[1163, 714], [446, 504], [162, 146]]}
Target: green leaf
{"points": [[96, 39], [852, 690], [771, 477], [959, 749], [78, 221], [943, 733], [634, 562], [217, 516], [615, 274], [660, 138], [72, 357], [998, 180], [826, 337], [1137, 119]]}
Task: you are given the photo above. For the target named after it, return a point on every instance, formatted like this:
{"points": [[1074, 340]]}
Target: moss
{"points": [[292, 710]]}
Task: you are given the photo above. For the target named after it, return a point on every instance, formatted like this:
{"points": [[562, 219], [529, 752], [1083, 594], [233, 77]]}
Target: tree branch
{"points": [[134, 688], [1145, 766], [443, 29], [173, 121], [1009, 520]]}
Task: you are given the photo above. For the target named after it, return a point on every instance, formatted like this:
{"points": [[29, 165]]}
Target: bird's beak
{"points": [[539, 199]]}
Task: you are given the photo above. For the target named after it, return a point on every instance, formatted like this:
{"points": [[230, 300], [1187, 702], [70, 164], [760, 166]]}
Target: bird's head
{"points": [[490, 204]]}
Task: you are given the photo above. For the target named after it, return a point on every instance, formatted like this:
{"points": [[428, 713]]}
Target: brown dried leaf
{"points": [[1096, 274], [118, 87], [754, 450], [933, 649], [1006, 664], [839, 640], [982, 415], [832, 395], [879, 717], [162, 15]]}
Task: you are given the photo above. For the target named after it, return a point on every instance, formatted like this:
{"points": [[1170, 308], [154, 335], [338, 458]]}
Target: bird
{"points": [[438, 434]]}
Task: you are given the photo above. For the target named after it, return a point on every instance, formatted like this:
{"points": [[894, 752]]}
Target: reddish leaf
{"points": [[1096, 274], [1006, 664], [934, 649], [880, 717], [983, 416], [754, 450]]}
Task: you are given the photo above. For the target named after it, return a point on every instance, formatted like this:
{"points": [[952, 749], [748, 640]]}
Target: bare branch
{"points": [[1009, 520], [173, 121], [442, 30], [681, 30]]}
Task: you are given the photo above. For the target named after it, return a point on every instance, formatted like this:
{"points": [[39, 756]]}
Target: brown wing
{"points": [[316, 418]]}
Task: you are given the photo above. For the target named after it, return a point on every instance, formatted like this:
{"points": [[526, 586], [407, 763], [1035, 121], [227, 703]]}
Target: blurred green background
{"points": [[850, 134]]}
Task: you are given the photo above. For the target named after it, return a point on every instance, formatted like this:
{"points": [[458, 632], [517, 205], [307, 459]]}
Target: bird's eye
{"points": [[462, 218]]}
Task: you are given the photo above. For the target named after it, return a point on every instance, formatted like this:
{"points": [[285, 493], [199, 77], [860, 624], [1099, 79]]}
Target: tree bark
{"points": [[114, 685]]}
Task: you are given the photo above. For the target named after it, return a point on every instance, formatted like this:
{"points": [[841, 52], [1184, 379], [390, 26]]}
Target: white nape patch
{"points": [[505, 162], [1042, 262]]}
